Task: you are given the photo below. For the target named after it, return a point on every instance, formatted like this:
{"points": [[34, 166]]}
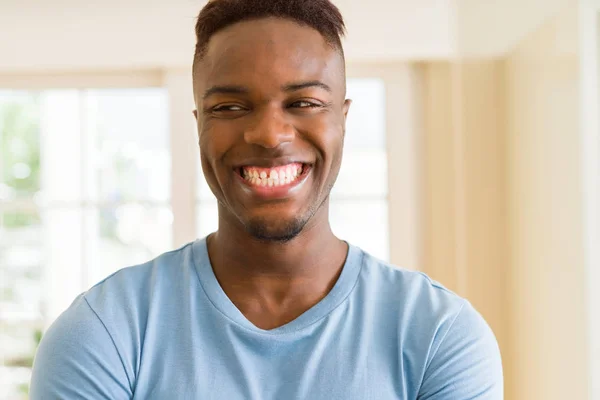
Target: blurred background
{"points": [[472, 154]]}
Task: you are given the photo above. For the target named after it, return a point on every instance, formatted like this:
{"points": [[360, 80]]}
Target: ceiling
{"points": [[63, 35]]}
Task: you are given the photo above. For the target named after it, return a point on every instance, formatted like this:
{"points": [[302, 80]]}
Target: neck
{"points": [[259, 275], [234, 252]]}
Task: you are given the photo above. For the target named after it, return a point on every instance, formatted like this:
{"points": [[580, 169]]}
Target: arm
{"points": [[466, 364], [77, 359]]}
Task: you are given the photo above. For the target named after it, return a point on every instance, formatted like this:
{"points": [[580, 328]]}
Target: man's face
{"points": [[271, 112]]}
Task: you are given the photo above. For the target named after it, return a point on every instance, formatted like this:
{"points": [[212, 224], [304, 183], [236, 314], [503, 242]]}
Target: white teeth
{"points": [[274, 177]]}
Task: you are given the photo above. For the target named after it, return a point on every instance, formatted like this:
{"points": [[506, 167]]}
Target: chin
{"points": [[275, 230]]}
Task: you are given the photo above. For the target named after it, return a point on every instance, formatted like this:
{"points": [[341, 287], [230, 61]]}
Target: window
{"points": [[359, 207], [84, 191], [20, 239]]}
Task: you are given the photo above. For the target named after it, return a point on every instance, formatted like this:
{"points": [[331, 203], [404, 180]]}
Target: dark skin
{"points": [[270, 92]]}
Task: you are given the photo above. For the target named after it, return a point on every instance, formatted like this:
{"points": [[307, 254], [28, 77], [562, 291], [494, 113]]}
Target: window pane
{"points": [[19, 144], [60, 146], [92, 154], [20, 266], [123, 236], [127, 135], [63, 257], [208, 218], [364, 165], [362, 223], [18, 343], [365, 126], [363, 174]]}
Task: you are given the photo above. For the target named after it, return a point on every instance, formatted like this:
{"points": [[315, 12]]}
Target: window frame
{"points": [[403, 83], [402, 86], [82, 81]]}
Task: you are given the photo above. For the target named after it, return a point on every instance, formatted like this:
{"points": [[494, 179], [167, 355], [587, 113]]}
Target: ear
{"points": [[195, 112], [346, 108]]}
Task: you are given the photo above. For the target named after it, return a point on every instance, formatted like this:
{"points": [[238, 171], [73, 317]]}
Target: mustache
{"points": [[246, 155]]}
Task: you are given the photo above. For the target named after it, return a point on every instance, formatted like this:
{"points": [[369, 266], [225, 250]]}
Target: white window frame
{"points": [[403, 133], [402, 86], [589, 36], [177, 83]]}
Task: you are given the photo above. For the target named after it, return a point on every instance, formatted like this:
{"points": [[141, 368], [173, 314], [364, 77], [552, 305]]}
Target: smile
{"points": [[276, 182], [279, 176]]}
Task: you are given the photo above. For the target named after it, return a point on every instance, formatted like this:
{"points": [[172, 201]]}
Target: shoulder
{"points": [[117, 309], [132, 290], [458, 350], [77, 358], [414, 293], [136, 278], [417, 300]]}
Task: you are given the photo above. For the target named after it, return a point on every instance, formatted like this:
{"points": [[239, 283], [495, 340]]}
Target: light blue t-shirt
{"points": [[166, 330]]}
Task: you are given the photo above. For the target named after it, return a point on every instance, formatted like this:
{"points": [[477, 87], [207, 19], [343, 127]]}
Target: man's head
{"points": [[269, 86]]}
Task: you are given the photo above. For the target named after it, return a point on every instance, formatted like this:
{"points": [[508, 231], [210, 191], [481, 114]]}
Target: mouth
{"points": [[276, 181]]}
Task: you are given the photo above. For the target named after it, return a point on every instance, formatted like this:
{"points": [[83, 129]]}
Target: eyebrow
{"points": [[292, 87], [225, 89]]}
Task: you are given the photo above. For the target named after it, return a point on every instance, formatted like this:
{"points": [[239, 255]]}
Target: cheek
{"points": [[324, 131], [211, 150], [329, 141], [335, 161], [205, 151], [332, 145], [212, 145]]}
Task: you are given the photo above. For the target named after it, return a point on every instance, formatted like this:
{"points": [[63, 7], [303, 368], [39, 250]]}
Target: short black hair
{"points": [[321, 15]]}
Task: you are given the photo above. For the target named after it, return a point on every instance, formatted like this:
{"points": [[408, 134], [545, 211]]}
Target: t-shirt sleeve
{"points": [[77, 359], [466, 364]]}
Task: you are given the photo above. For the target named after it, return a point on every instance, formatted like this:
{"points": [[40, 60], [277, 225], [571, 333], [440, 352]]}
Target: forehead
{"points": [[269, 51]]}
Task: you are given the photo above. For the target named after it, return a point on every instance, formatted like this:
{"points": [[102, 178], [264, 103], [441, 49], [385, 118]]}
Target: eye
{"points": [[304, 104], [227, 107]]}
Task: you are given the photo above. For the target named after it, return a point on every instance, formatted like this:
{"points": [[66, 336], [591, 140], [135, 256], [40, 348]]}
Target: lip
{"points": [[274, 192], [269, 162]]}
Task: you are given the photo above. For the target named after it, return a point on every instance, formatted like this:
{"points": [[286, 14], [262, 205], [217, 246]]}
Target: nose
{"points": [[269, 129]]}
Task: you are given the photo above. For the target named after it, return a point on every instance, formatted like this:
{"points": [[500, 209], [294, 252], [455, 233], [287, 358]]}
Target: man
{"points": [[272, 305]]}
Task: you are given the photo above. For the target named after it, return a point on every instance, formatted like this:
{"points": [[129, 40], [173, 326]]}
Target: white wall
{"points": [[387, 30], [589, 30], [546, 269], [492, 28], [134, 34], [463, 186]]}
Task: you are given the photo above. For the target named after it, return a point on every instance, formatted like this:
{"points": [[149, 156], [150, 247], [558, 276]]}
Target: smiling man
{"points": [[272, 305]]}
